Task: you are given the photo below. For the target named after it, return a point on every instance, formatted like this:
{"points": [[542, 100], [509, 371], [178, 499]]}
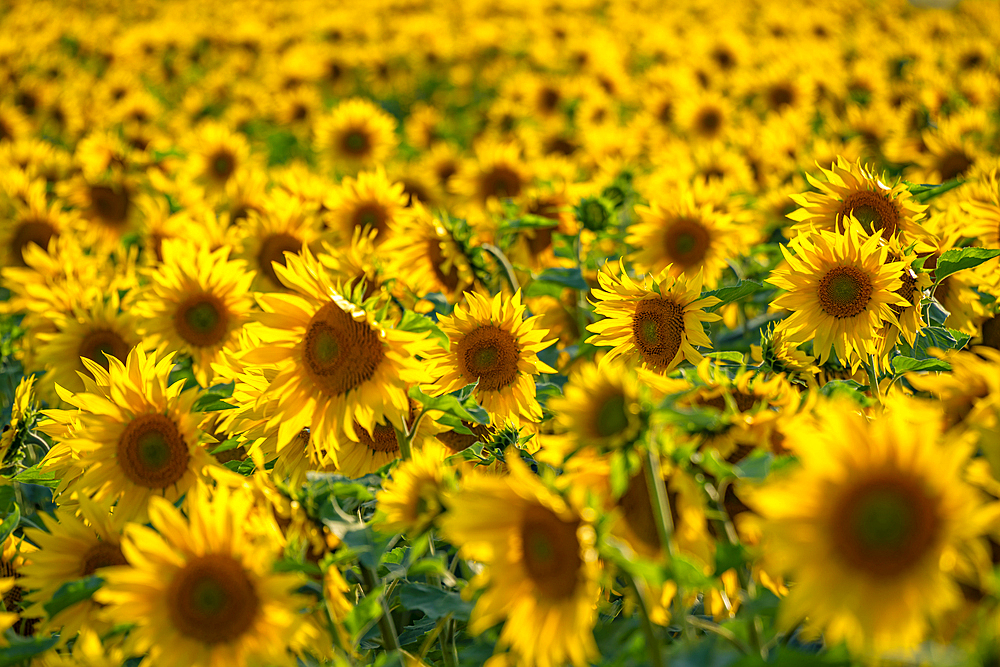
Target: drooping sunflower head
{"points": [[424, 254], [131, 437], [840, 289], [655, 322], [370, 201], [684, 236], [356, 134], [854, 190], [196, 303], [494, 347], [870, 517]]}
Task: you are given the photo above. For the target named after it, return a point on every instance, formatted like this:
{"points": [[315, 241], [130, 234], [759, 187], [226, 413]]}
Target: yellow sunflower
{"points": [[106, 206], [267, 237], [423, 253], [413, 498], [540, 565], [196, 303], [376, 448], [969, 394], [368, 201], [656, 322], [684, 236], [337, 365], [872, 525], [22, 412], [910, 316], [201, 590], [34, 221], [131, 436], [497, 172], [72, 548], [840, 289], [855, 190], [217, 154], [493, 347], [356, 134]]}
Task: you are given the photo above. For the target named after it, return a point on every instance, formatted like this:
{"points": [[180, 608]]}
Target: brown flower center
{"points": [[489, 355], [686, 242], [874, 211], [102, 554], [339, 352], [844, 292], [101, 342], [373, 216], [109, 205], [499, 182], [152, 453], [39, 232], [202, 320], [551, 552], [658, 330], [273, 250], [356, 143], [212, 599]]}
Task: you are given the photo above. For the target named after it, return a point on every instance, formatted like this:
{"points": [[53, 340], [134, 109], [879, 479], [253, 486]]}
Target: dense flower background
{"points": [[608, 332]]}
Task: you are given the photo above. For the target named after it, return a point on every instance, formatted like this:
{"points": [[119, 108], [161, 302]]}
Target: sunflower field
{"points": [[499, 332]]}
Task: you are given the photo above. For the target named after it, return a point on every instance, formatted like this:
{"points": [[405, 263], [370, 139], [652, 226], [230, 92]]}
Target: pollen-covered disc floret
{"points": [[492, 346], [334, 366], [655, 322], [841, 290]]}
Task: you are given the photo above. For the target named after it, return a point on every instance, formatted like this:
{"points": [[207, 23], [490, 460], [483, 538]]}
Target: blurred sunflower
{"points": [[656, 322], [868, 522], [131, 436], [72, 547], [106, 206], [493, 347], [840, 289], [540, 565], [216, 155], [268, 237], [423, 253], [685, 237], [201, 589], [368, 201], [496, 173], [414, 497], [356, 134], [34, 221], [196, 302], [375, 448]]}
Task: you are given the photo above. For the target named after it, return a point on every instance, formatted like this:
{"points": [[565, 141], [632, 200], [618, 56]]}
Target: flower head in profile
{"points": [[656, 322]]}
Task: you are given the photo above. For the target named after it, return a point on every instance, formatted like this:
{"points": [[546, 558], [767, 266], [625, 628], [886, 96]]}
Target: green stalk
{"points": [[653, 647], [390, 641]]}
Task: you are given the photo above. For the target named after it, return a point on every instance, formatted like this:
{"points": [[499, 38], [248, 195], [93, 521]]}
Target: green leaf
{"points": [[71, 593], [959, 259], [34, 475], [21, 650], [740, 290], [450, 405], [924, 193], [434, 602], [365, 613], [754, 466], [728, 556], [560, 278], [902, 365], [211, 402], [942, 338], [850, 388], [417, 323], [530, 221], [10, 523], [231, 443], [731, 356], [619, 473]]}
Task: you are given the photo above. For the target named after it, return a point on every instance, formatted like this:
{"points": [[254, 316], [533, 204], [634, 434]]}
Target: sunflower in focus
{"points": [[377, 447], [854, 190], [684, 236], [910, 316], [196, 303], [336, 364], [493, 347], [423, 252], [369, 201], [872, 525], [356, 134], [74, 546], [540, 565], [840, 289], [201, 589], [131, 436], [656, 322]]}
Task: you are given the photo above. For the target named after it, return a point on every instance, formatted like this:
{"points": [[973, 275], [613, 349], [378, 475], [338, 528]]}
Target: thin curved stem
{"points": [[505, 263]]}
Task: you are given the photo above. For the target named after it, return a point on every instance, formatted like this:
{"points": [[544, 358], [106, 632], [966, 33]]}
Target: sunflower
{"points": [[95, 330], [34, 221], [656, 322], [540, 565], [423, 253], [72, 548], [868, 522], [196, 303], [106, 206], [496, 173], [413, 498], [268, 237], [337, 364], [909, 317], [854, 190], [684, 236], [201, 589], [131, 436], [368, 201], [22, 414], [493, 347], [600, 408], [969, 394], [840, 289], [378, 447], [217, 154], [778, 354], [356, 134]]}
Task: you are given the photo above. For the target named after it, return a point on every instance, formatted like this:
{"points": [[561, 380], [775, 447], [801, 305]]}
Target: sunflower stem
{"points": [[661, 502], [652, 641], [872, 371], [725, 633], [403, 438], [505, 263], [390, 641]]}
